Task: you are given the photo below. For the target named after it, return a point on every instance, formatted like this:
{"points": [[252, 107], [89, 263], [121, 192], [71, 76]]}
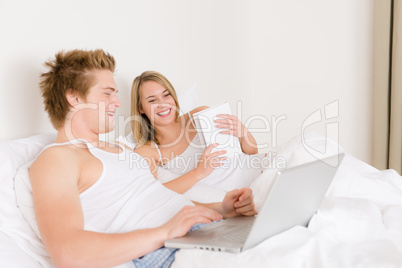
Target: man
{"points": [[91, 208]]}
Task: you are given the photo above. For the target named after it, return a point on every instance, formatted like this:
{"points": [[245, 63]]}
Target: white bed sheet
{"points": [[359, 223]]}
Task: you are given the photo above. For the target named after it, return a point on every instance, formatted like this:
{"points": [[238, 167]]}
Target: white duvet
{"points": [[359, 223]]}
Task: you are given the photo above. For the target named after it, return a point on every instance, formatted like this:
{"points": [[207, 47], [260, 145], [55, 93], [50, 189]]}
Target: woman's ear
{"points": [[72, 97]]}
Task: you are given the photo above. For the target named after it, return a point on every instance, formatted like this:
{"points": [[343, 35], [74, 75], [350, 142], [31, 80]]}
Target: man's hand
{"points": [[181, 223], [238, 202]]}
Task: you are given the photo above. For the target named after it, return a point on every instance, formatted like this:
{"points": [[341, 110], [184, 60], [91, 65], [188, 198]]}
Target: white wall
{"points": [[278, 58], [307, 54]]}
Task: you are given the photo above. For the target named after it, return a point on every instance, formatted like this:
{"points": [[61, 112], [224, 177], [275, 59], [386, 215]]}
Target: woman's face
{"points": [[157, 103]]}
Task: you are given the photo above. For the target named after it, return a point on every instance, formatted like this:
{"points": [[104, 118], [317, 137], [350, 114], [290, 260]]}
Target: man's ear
{"points": [[72, 97]]}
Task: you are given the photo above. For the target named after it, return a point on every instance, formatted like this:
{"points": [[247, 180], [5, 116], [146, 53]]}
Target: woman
{"points": [[171, 143]]}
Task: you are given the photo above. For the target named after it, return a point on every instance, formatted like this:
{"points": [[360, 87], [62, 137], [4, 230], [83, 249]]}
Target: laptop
{"points": [[294, 197]]}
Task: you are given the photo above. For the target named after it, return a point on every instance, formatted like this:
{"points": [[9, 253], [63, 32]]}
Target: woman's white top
{"points": [[187, 160], [239, 171]]}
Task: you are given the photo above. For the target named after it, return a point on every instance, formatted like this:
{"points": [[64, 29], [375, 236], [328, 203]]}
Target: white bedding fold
{"points": [[359, 224]]}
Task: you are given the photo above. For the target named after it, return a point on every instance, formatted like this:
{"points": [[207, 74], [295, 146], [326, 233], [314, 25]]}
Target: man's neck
{"points": [[65, 134]]}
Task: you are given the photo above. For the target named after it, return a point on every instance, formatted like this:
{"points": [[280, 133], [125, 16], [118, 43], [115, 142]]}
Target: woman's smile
{"points": [[165, 113]]}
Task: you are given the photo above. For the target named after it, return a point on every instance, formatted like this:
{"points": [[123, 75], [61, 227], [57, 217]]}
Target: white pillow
{"points": [[188, 101], [13, 155]]}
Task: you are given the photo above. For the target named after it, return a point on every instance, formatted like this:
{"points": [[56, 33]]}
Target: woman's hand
{"points": [[231, 125], [209, 161]]}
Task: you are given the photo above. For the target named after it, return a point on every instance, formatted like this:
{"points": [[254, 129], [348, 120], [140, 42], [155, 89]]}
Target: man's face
{"points": [[101, 103]]}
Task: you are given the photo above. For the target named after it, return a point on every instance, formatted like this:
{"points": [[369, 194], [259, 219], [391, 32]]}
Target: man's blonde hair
{"points": [[70, 70], [141, 127]]}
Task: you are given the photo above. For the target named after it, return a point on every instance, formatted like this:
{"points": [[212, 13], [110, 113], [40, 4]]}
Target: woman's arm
{"points": [[183, 183], [248, 144], [232, 126], [207, 163]]}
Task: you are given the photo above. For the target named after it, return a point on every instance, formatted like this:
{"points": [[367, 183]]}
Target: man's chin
{"points": [[107, 129]]}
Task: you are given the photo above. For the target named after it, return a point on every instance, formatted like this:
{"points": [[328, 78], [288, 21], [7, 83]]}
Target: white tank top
{"points": [[186, 161], [131, 198], [126, 197]]}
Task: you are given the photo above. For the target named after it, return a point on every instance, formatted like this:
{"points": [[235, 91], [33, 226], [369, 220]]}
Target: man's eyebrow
{"points": [[112, 89]]}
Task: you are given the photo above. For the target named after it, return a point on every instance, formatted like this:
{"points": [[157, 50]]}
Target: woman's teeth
{"points": [[164, 113]]}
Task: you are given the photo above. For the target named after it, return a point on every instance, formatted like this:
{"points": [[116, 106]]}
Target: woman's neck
{"points": [[169, 133]]}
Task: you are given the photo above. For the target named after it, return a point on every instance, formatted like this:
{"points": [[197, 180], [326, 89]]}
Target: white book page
{"points": [[204, 121]]}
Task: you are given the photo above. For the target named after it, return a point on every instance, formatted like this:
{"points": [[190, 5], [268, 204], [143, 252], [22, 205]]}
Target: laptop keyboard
{"points": [[238, 235]]}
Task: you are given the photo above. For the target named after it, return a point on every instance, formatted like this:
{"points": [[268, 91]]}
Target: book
{"points": [[209, 132]]}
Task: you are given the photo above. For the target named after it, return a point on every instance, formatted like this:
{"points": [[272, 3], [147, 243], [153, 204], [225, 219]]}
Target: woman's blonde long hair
{"points": [[142, 129]]}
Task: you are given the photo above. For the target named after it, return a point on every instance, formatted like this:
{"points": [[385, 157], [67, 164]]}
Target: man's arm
{"points": [[236, 202], [54, 178]]}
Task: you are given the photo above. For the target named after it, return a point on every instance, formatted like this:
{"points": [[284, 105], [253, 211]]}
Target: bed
{"points": [[359, 223]]}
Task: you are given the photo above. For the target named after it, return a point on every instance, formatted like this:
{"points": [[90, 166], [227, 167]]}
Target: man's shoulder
{"points": [[60, 154], [58, 161], [65, 149]]}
